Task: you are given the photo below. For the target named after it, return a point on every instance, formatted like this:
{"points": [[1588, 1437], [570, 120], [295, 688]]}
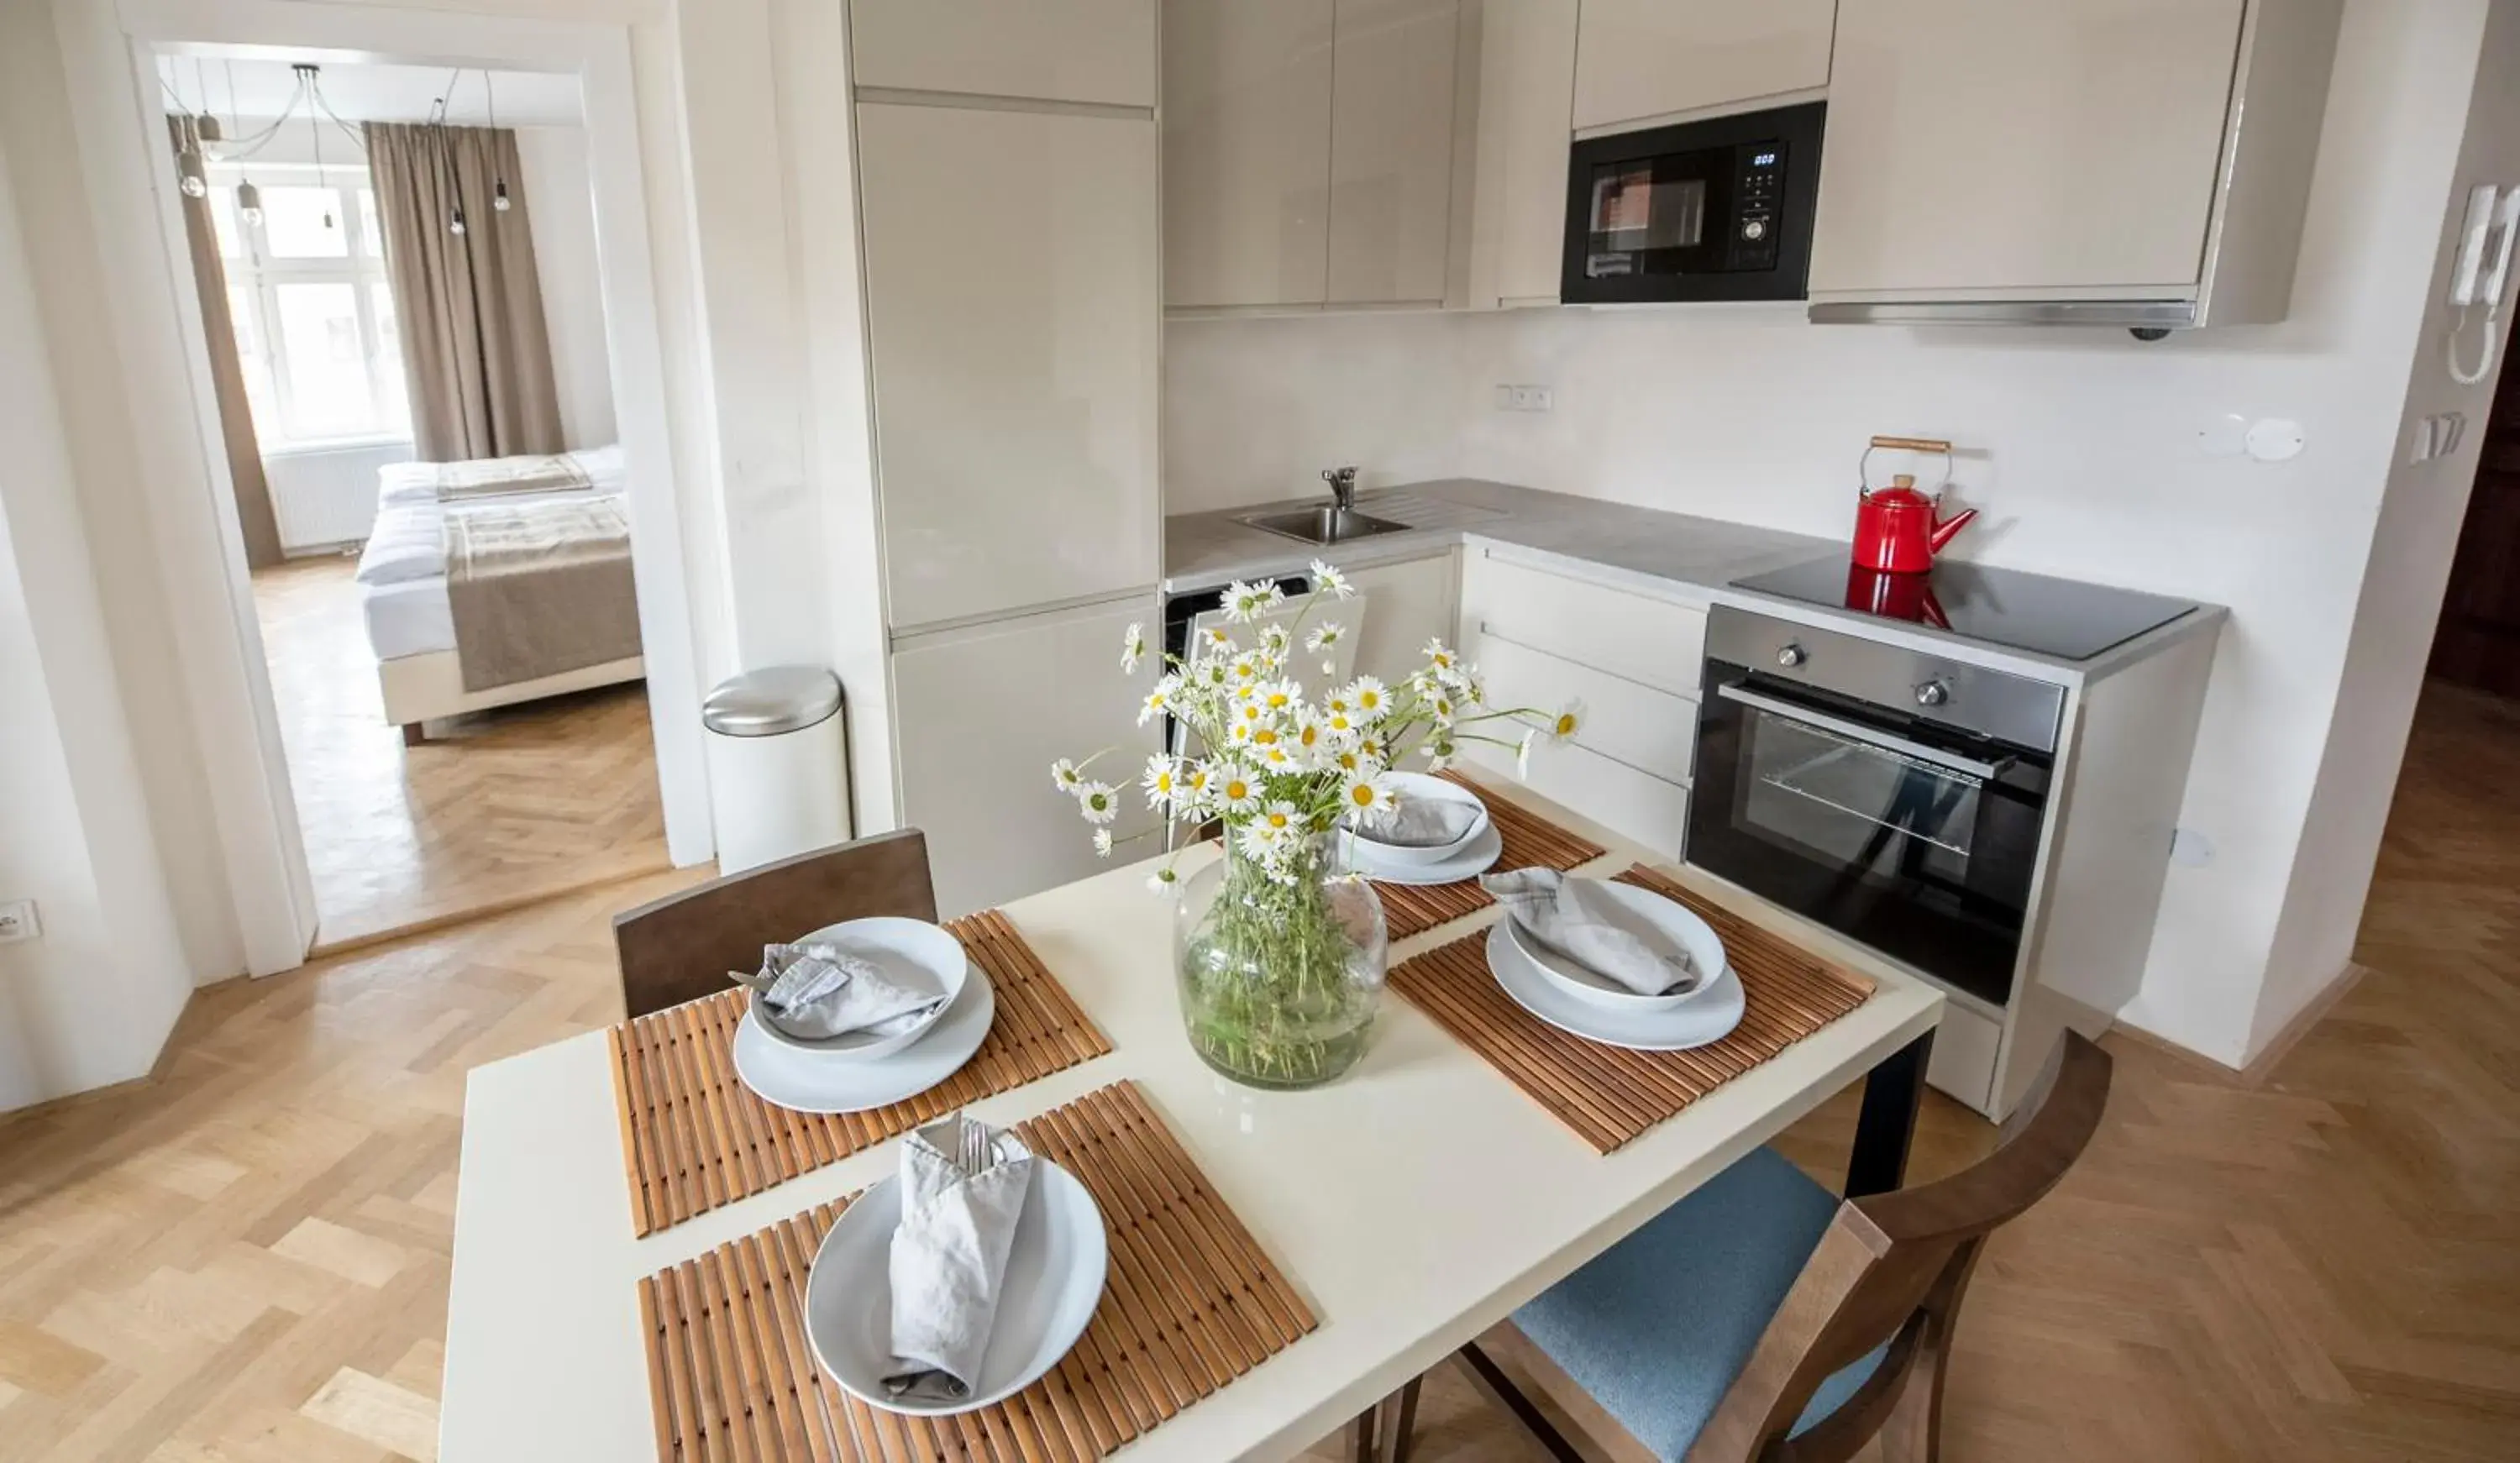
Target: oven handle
{"points": [[1734, 690]]}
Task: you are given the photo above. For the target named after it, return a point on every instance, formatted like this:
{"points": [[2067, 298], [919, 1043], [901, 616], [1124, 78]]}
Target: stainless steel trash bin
{"points": [[778, 764]]}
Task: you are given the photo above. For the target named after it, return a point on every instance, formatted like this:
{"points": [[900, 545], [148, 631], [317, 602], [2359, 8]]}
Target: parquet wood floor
{"points": [[245, 1261], [498, 807]]}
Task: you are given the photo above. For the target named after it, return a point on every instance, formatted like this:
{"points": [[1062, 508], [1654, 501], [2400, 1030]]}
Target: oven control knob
{"points": [[1933, 693], [1754, 230], [1792, 656]]}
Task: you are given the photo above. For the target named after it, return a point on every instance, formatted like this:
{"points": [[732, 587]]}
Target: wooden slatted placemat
{"points": [[694, 1136], [1191, 1303], [1529, 840], [1608, 1094]]}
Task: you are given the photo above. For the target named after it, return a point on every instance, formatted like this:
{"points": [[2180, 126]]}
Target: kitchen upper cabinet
{"points": [[1308, 152], [1407, 604], [2067, 148], [1246, 151], [1640, 59], [1526, 101], [1095, 51], [1391, 150], [981, 713], [1013, 329]]}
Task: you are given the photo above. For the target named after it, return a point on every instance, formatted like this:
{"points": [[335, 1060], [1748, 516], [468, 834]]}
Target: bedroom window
{"points": [[314, 316]]}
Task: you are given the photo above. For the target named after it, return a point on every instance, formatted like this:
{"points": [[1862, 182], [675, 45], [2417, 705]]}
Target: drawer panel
{"points": [[1653, 640], [1649, 730], [1632, 804]]}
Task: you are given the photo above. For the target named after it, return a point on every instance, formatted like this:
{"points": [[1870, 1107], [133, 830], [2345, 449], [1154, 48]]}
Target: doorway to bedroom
{"points": [[399, 292]]}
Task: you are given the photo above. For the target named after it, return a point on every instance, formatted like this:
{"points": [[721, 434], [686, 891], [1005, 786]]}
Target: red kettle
{"points": [[1895, 528]]}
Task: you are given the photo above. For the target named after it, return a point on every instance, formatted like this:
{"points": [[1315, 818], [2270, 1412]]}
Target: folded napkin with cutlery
{"points": [[818, 991], [963, 1188], [1580, 920], [1423, 822]]}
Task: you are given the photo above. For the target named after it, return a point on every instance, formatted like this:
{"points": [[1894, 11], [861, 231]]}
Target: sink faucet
{"points": [[1342, 481]]}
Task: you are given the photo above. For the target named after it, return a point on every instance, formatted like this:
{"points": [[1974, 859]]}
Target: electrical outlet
{"points": [[18, 921]]}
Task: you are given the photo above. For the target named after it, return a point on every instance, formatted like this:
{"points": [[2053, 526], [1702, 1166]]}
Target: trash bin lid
{"points": [[771, 700]]}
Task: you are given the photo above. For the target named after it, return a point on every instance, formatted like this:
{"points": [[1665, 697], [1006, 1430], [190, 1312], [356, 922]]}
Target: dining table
{"points": [[1412, 1202]]}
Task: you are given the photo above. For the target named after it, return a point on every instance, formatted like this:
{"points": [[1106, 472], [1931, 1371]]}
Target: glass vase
{"points": [[1280, 982]]}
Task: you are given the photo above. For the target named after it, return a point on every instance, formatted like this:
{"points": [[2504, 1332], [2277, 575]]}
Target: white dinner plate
{"points": [[1475, 858], [809, 1082], [890, 943], [1422, 787], [1053, 1280], [1707, 1016], [1675, 921]]}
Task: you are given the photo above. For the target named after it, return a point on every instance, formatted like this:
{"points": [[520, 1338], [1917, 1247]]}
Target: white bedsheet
{"points": [[410, 618]]}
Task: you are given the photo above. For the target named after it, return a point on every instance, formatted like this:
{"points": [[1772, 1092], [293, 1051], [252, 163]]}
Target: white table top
{"points": [[1413, 1203]]}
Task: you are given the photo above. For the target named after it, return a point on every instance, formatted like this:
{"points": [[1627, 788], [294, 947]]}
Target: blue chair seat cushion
{"points": [[1657, 1327]]}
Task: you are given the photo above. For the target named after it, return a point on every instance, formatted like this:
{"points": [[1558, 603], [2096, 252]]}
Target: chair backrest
{"points": [[680, 947], [1892, 1269]]}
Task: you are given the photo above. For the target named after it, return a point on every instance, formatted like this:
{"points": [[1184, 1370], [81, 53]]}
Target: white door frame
{"points": [[110, 52]]}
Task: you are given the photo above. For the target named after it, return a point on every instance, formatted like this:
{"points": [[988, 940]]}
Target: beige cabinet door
{"points": [[1994, 146], [1391, 151], [1246, 151], [1014, 324], [1525, 130], [1100, 51], [982, 712], [1637, 59]]}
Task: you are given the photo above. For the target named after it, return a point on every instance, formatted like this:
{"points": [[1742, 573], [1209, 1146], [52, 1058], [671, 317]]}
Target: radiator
{"points": [[326, 497]]}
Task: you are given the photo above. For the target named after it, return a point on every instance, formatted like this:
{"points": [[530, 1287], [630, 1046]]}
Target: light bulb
{"points": [[327, 218], [194, 186], [455, 223], [189, 174], [499, 197], [250, 204]]}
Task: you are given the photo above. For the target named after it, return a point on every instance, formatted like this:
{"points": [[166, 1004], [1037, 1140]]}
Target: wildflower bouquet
{"points": [[1280, 954]]}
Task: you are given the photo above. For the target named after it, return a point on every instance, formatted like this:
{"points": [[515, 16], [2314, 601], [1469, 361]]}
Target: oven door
{"points": [[1907, 838]]}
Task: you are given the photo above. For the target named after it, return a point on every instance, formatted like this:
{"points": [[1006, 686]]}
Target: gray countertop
{"points": [[1652, 549]]}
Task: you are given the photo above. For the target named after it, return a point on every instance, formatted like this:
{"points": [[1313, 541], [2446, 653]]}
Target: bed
{"points": [[497, 582]]}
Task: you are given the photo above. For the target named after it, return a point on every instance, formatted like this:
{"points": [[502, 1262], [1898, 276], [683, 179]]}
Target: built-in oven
{"points": [[1719, 209], [1895, 796]]}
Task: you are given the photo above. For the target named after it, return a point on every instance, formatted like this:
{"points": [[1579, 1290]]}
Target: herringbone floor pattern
{"points": [[244, 1259], [497, 808]]}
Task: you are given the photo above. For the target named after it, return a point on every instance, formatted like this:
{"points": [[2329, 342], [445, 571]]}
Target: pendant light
{"points": [[499, 188], [207, 126], [189, 176], [250, 204], [306, 76]]}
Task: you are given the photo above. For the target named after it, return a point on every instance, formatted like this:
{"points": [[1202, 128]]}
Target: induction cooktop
{"points": [[2064, 618]]}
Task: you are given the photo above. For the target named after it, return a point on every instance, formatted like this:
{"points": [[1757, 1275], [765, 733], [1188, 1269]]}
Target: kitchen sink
{"points": [[1322, 524]]}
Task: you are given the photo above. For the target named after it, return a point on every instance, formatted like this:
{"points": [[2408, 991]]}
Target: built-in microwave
{"points": [[1718, 209]]}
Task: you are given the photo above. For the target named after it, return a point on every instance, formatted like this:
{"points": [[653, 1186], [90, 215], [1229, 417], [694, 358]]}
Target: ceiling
{"points": [[367, 92]]}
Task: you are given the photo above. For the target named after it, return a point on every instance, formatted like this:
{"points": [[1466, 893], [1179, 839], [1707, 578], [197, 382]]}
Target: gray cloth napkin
{"points": [[1580, 922], [817, 990], [963, 1188], [1423, 822]]}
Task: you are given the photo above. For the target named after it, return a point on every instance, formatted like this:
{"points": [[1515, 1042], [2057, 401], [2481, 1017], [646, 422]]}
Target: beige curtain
{"points": [[469, 305], [227, 377]]}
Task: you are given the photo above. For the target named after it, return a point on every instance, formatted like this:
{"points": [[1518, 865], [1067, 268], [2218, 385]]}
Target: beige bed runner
{"points": [[540, 587], [499, 477]]}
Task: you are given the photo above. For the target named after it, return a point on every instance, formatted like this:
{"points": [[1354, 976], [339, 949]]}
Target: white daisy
{"points": [[1195, 780], [1371, 748], [1102, 843], [1330, 580], [1259, 839], [1274, 638], [1368, 797], [1065, 775], [1282, 819], [1338, 701], [1441, 705], [1162, 782], [1245, 669], [1439, 751], [1164, 881], [1216, 640], [1282, 696], [1568, 720], [1340, 722], [1160, 701], [1323, 636], [1372, 699], [1098, 800], [1246, 602], [1308, 736], [1238, 733], [1353, 763], [1234, 787], [1440, 657], [1133, 649], [1281, 757]]}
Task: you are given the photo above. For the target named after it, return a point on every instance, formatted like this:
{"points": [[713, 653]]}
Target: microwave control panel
{"points": [[1758, 189]]}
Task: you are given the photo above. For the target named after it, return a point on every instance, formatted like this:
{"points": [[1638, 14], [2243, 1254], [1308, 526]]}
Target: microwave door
{"points": [[1658, 215]]}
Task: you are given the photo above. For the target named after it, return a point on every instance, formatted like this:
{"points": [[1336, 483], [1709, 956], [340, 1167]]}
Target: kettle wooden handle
{"points": [[1912, 444]]}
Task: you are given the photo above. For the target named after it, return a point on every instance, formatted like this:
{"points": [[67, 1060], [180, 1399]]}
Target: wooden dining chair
{"points": [[1760, 1318], [680, 947]]}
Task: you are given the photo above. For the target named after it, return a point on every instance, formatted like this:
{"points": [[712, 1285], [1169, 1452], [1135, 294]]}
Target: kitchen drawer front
{"points": [[1657, 641], [1627, 720], [1635, 805], [1964, 1059]]}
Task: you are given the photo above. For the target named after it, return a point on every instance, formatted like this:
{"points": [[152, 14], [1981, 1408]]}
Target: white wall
{"points": [[2083, 448], [558, 191]]}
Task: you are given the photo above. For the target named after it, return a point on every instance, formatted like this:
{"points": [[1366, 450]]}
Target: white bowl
{"points": [[888, 942], [1056, 1266], [1672, 918], [1431, 789]]}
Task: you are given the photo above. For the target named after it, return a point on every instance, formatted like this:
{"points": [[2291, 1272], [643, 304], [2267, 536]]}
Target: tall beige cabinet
{"points": [[1009, 170]]}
